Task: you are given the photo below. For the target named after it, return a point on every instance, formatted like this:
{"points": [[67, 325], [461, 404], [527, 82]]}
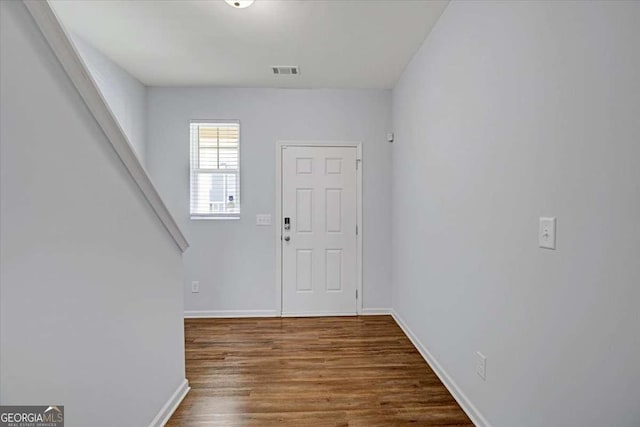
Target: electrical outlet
{"points": [[481, 365], [195, 287]]}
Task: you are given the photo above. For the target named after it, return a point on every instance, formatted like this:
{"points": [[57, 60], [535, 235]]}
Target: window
{"points": [[215, 169]]}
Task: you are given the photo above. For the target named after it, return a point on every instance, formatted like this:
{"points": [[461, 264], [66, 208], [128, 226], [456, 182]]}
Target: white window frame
{"points": [[193, 171]]}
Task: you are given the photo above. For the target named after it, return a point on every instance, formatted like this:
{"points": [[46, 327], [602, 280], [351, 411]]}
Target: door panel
{"points": [[304, 262], [304, 208], [333, 210], [319, 261], [334, 269]]}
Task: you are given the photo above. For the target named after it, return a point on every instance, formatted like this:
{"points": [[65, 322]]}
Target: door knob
{"points": [[287, 238]]}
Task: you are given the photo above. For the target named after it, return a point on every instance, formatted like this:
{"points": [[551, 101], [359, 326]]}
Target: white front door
{"points": [[319, 242]]}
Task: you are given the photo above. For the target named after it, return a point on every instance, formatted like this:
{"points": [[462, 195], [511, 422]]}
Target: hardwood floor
{"points": [[323, 371]]}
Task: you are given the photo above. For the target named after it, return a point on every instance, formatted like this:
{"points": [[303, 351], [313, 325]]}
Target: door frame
{"points": [[278, 217]]}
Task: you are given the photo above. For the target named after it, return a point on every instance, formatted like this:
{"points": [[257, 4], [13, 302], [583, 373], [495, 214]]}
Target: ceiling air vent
{"points": [[286, 70]]}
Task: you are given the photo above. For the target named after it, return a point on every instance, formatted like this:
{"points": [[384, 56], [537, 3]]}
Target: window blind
{"points": [[215, 169]]}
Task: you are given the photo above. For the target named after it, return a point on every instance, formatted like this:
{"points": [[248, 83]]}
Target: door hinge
{"points": [[356, 294], [358, 162], [356, 229]]}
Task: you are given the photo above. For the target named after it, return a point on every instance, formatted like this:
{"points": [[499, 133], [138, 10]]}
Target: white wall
{"points": [[90, 281], [235, 260], [511, 111], [125, 95]]}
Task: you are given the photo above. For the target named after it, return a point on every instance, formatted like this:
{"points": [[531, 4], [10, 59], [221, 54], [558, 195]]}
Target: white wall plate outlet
{"points": [[547, 233], [195, 287], [481, 365]]}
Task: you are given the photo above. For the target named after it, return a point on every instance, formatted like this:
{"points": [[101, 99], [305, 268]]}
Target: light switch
{"points": [[547, 233], [263, 219]]}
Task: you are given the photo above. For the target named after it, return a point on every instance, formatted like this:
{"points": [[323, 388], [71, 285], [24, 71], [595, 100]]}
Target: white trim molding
{"points": [[376, 311], [317, 314], [228, 314], [278, 217], [171, 405], [79, 74], [464, 402]]}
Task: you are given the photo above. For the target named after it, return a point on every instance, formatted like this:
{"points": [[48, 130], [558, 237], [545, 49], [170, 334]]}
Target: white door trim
{"points": [[278, 216]]}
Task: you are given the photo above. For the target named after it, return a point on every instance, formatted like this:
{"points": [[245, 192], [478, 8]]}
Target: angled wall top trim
{"points": [[79, 74]]}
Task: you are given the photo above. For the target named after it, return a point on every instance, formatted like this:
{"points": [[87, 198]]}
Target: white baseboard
{"points": [[172, 404], [458, 395], [375, 311], [195, 314], [316, 314]]}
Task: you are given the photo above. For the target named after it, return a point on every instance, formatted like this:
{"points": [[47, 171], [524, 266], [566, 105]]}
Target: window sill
{"points": [[215, 218]]}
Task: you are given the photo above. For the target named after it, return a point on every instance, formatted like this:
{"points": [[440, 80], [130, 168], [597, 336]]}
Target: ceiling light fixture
{"points": [[239, 4]]}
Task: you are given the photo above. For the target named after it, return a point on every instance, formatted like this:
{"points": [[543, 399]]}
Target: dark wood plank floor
{"points": [[327, 371]]}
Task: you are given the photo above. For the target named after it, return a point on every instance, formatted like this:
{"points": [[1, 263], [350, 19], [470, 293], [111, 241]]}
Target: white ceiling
{"points": [[336, 43]]}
